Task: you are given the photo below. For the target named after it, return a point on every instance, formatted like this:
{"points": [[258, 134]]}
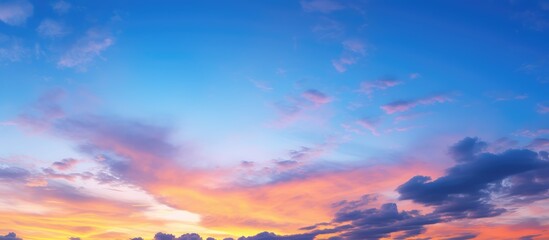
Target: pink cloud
{"points": [[543, 108], [341, 63], [65, 164], [15, 12], [405, 105], [369, 124], [369, 87], [316, 97]]}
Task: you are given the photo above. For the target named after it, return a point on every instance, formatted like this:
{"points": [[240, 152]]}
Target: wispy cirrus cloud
{"points": [[15, 12], [353, 50], [543, 108], [322, 6], [370, 125], [316, 97], [369, 87], [405, 105], [85, 50], [296, 107], [61, 7], [51, 29], [12, 49]]}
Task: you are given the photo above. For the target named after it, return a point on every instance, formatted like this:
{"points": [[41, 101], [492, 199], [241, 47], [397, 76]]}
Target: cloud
{"points": [[10, 236], [341, 63], [354, 45], [369, 124], [463, 237], [322, 6], [465, 191], [543, 108], [368, 87], [414, 75], [405, 105], [61, 7], [539, 143], [273, 236], [376, 223], [353, 50], [316, 97], [51, 29], [65, 164], [85, 50], [8, 173], [299, 107], [533, 133], [467, 148], [11, 49], [15, 12]]}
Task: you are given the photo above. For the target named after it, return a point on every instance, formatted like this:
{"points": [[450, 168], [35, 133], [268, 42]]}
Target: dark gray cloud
{"points": [[465, 190], [273, 236], [10, 236], [463, 237], [467, 148], [376, 223]]}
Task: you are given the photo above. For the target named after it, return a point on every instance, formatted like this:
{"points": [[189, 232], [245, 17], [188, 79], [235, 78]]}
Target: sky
{"points": [[274, 119]]}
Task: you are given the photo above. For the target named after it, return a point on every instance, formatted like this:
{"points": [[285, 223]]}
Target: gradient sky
{"points": [[312, 119]]}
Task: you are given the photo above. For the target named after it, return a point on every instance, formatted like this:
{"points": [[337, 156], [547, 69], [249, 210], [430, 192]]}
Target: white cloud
{"points": [[85, 50], [52, 29]]}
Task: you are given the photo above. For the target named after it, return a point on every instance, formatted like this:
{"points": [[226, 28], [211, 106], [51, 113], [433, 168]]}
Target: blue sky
{"points": [[250, 99]]}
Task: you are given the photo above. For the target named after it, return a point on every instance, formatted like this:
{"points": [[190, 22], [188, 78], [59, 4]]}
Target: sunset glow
{"points": [[274, 120]]}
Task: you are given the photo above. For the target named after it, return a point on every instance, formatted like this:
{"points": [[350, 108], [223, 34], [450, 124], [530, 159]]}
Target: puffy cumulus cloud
{"points": [[15, 12], [405, 105], [471, 189], [466, 189], [10, 236], [51, 29], [467, 148], [322, 6], [85, 50]]}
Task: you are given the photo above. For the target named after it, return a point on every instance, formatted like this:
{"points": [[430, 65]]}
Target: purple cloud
{"points": [[65, 164], [405, 105], [316, 97]]}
